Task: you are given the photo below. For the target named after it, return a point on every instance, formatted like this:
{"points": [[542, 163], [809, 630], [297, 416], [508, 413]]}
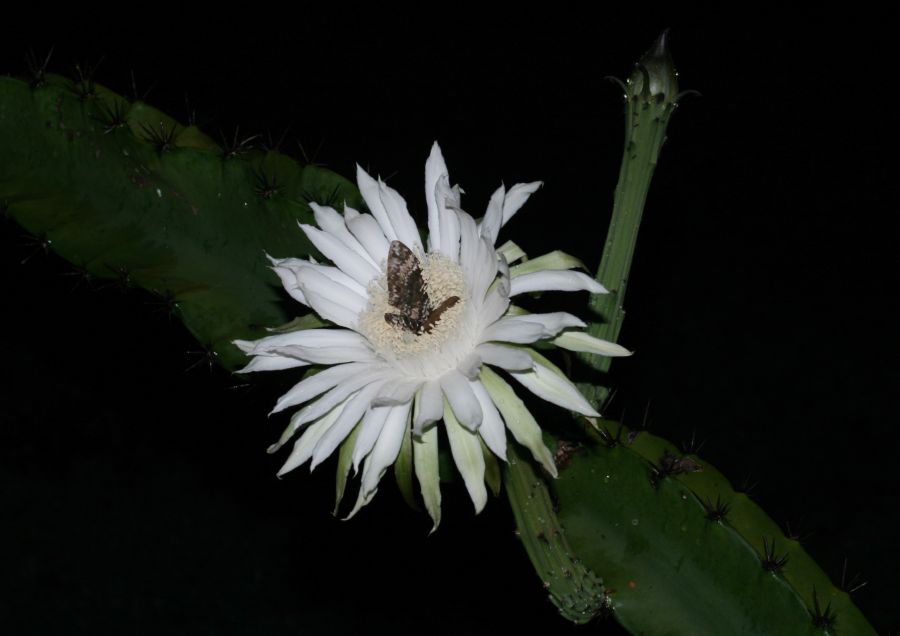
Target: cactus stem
{"points": [[162, 138], [266, 186], [111, 117], [823, 619], [771, 562], [718, 511]]}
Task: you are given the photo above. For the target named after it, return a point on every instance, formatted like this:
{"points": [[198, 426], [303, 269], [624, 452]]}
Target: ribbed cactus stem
{"points": [[651, 94], [575, 590]]}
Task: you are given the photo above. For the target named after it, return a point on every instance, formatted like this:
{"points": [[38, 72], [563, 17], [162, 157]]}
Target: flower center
{"points": [[422, 353]]}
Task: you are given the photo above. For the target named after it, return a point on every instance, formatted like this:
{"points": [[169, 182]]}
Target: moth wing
{"points": [[406, 287]]}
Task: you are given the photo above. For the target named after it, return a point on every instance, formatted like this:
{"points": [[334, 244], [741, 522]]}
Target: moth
{"points": [[406, 293]]}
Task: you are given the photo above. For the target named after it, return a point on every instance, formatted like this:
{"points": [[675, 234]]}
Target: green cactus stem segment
{"points": [[124, 192], [576, 591], [651, 94]]}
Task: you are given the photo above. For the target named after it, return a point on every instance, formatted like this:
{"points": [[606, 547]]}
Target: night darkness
{"points": [[135, 492]]}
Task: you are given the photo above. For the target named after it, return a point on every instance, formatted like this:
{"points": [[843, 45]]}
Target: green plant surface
{"points": [[125, 192]]}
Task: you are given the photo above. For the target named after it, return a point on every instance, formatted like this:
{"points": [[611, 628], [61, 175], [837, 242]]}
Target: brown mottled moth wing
{"points": [[406, 290], [435, 315]]}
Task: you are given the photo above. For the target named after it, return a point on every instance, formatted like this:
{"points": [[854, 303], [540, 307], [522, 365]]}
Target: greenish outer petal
{"points": [[345, 461], [551, 260], [548, 382], [511, 252], [518, 418], [583, 342], [425, 460], [492, 474], [403, 469], [465, 447]]}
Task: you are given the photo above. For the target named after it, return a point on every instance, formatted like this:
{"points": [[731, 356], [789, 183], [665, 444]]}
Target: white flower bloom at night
{"points": [[419, 329]]}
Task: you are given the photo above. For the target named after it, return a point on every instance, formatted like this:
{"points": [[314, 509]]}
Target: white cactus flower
{"points": [[418, 328]]}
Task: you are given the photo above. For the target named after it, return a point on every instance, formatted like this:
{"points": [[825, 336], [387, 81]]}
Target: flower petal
{"points": [[555, 260], [493, 216], [585, 343], [425, 460], [312, 338], [365, 228], [429, 406], [447, 201], [462, 400], [383, 455], [315, 281], [315, 385], [271, 363], [548, 382], [329, 220], [466, 451], [402, 222], [303, 447], [353, 412], [370, 429], [516, 198], [491, 430], [554, 280], [435, 168], [552, 323], [351, 263], [339, 393], [518, 419], [513, 329], [508, 358]]}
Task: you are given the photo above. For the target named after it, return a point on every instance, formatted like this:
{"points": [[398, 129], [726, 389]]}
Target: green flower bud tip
{"points": [[654, 76]]}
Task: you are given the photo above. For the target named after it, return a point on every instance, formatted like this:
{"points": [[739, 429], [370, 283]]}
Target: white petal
{"points": [[303, 447], [425, 460], [340, 393], [329, 220], [466, 451], [332, 311], [448, 220], [271, 363], [289, 282], [353, 412], [365, 228], [583, 342], [351, 263], [296, 265], [554, 387], [317, 384], [316, 338], [513, 329], [402, 222], [491, 430], [495, 305], [516, 198], [493, 216], [470, 366], [370, 191], [508, 358], [553, 323], [435, 168], [361, 352], [313, 281], [383, 455], [372, 424], [429, 406], [461, 399], [398, 391], [558, 280], [386, 448], [518, 419]]}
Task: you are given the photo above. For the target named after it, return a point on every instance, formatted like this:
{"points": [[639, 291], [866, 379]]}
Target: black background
{"points": [[135, 493]]}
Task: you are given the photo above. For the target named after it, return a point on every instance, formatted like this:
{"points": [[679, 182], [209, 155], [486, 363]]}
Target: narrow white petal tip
{"points": [[273, 448]]}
